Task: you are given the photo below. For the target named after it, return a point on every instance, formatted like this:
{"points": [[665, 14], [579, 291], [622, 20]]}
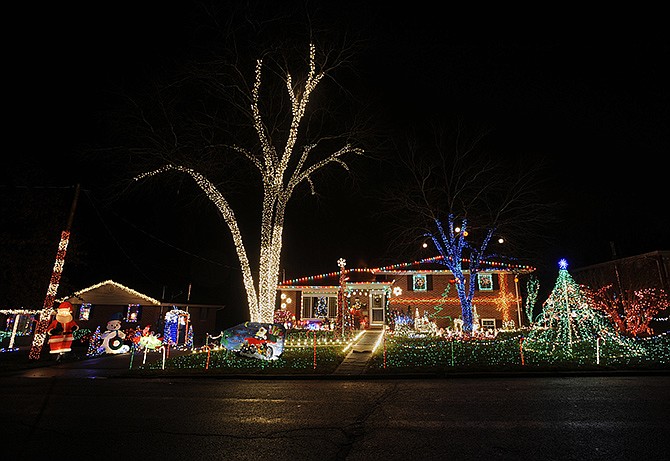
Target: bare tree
{"points": [[466, 202], [281, 161]]}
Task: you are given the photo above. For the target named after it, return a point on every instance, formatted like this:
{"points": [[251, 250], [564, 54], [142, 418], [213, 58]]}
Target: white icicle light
{"points": [[277, 190]]}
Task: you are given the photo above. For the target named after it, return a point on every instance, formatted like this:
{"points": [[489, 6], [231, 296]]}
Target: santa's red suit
{"points": [[61, 330]]}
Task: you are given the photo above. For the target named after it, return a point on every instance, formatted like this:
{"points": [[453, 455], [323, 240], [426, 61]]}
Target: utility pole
{"points": [[45, 314]]}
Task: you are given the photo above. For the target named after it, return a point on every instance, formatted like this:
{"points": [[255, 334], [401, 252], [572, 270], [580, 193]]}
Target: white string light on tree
{"points": [[278, 183]]}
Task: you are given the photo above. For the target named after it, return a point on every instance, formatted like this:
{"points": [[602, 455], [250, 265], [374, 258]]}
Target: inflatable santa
{"points": [[61, 330]]}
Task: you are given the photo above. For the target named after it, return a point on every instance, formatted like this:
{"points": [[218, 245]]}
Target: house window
{"points": [[488, 324], [306, 307], [85, 311], [419, 282], [332, 307], [134, 313], [325, 305], [485, 282]]}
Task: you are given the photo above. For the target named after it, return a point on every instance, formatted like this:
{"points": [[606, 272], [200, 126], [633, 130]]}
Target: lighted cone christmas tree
{"points": [[568, 328]]}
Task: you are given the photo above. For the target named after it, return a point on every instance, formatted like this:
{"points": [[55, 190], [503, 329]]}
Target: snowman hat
{"points": [[64, 307], [116, 316]]}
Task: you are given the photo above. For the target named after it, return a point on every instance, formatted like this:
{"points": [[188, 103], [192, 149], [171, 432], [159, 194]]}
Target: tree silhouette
{"points": [[282, 165]]}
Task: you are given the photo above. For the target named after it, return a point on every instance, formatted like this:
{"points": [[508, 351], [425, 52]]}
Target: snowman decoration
{"points": [[112, 338]]}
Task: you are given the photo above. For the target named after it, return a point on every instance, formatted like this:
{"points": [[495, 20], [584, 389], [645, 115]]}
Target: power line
{"points": [[148, 234], [97, 212]]}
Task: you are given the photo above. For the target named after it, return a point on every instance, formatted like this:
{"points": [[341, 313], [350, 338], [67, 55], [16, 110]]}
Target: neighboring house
{"points": [[424, 287], [16, 328], [626, 275], [96, 305]]}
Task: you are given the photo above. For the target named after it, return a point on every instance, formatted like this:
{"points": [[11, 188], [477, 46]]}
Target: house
{"points": [[422, 287], [96, 305], [632, 273]]}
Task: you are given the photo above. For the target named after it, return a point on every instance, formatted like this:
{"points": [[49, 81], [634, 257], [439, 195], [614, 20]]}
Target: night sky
{"points": [[586, 91]]}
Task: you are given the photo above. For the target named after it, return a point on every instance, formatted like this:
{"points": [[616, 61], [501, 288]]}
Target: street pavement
{"points": [[461, 418]]}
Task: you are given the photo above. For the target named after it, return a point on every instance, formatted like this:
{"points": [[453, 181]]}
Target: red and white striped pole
{"points": [[45, 314]]}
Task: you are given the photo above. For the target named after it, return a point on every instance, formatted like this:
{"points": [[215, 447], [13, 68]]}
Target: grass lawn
{"points": [[308, 355], [510, 352]]}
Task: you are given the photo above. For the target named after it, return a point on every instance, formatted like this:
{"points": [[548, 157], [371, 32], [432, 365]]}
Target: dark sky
{"points": [[585, 91]]}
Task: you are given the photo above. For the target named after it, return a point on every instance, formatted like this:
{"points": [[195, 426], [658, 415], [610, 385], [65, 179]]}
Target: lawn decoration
{"points": [[632, 311], [113, 337], [254, 339], [569, 328], [402, 323], [150, 342], [61, 330], [177, 333], [284, 317], [423, 325], [20, 322]]}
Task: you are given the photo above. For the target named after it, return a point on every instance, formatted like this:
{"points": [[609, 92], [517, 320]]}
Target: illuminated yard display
{"points": [[569, 332], [95, 344], [255, 339], [177, 331], [113, 338], [570, 329]]}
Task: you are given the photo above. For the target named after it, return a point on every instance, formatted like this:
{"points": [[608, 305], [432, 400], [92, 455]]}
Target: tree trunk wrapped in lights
{"points": [[451, 245], [461, 181], [281, 170]]}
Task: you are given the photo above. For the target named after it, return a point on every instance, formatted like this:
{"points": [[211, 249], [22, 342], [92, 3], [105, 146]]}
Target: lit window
{"points": [[485, 282], [419, 282], [488, 324], [134, 313]]}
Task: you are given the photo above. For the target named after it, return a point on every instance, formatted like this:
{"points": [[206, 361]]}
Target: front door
{"points": [[377, 303]]}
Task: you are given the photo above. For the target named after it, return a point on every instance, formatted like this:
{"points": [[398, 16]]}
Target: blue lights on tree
{"points": [[455, 249]]}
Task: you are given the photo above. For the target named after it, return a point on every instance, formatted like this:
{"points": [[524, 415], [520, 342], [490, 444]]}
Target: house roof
{"points": [[110, 293], [428, 266]]}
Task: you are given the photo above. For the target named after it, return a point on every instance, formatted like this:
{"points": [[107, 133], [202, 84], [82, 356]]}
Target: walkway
{"points": [[357, 360]]}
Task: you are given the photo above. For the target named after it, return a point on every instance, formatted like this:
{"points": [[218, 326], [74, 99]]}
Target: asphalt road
{"points": [[615, 417]]}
